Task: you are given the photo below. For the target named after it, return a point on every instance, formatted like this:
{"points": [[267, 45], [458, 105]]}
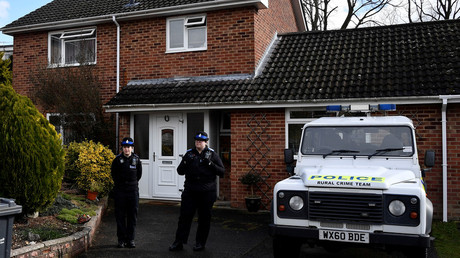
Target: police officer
{"points": [[200, 165], [126, 172]]}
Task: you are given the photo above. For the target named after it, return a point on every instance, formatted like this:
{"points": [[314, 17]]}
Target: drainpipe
{"points": [[118, 82], [444, 159], [445, 99]]}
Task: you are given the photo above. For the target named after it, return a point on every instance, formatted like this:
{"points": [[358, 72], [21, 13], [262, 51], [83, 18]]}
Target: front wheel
{"points": [[286, 247]]}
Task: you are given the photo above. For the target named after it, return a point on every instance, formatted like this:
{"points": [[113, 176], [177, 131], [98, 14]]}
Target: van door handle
{"points": [[153, 156]]}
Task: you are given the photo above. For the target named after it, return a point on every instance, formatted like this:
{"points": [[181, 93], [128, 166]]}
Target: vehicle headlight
{"points": [[397, 207], [296, 203]]}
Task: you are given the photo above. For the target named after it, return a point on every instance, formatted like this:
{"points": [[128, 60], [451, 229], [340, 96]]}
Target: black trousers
{"points": [[126, 207], [190, 203]]}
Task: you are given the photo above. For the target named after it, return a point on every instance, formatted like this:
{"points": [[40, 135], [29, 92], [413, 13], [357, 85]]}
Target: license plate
{"points": [[344, 236]]}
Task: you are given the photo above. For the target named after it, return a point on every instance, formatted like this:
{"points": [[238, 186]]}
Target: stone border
{"points": [[70, 246]]}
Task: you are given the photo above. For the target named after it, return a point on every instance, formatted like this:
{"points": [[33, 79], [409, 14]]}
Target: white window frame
{"points": [[302, 121], [188, 25], [70, 36]]}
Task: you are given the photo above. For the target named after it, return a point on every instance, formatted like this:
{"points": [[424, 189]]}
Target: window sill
{"points": [[170, 51], [51, 66]]}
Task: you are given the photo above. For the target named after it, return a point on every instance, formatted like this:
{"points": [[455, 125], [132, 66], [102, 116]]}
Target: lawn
{"points": [[447, 242]]}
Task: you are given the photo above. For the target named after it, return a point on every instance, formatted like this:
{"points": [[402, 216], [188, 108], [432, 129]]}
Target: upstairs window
{"points": [[73, 47], [186, 33]]}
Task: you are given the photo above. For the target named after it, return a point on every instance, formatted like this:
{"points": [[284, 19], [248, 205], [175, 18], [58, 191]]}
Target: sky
{"points": [[11, 10]]}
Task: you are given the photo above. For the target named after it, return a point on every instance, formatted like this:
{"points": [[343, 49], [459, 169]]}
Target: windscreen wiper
{"points": [[380, 151], [339, 151]]}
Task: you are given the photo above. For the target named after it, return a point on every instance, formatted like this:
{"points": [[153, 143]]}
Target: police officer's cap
{"points": [[201, 136], [127, 141]]}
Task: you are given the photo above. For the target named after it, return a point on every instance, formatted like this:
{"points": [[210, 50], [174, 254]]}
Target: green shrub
{"points": [[32, 160], [89, 164]]}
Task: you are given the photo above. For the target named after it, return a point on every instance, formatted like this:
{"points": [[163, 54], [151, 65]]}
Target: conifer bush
{"points": [[88, 164], [32, 160]]}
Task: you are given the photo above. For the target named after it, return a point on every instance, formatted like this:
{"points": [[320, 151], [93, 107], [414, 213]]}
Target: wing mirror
{"points": [[429, 161], [289, 160], [429, 158]]}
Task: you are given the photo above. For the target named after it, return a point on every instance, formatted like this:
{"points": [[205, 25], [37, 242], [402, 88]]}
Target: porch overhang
{"points": [[269, 104]]}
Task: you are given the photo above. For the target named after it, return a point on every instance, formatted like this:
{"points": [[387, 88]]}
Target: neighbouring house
{"points": [[246, 73], [7, 51]]}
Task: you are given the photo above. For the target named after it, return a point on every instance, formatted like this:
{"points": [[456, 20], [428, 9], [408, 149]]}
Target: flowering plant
{"points": [[91, 163]]}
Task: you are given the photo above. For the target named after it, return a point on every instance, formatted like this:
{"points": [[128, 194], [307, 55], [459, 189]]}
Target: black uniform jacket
{"points": [[126, 172], [200, 170]]}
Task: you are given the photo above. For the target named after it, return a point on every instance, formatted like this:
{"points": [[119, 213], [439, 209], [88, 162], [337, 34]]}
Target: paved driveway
{"points": [[234, 233]]}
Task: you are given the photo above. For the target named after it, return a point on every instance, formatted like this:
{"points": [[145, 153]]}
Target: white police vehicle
{"points": [[357, 180]]}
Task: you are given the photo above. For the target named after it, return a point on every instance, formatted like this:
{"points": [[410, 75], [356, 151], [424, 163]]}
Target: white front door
{"points": [[167, 144]]}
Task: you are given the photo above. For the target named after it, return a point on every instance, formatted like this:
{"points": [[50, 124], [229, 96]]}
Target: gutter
{"points": [[117, 131], [167, 11], [267, 104], [445, 99]]}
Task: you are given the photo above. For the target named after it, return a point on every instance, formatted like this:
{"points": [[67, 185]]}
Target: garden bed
{"points": [[58, 221]]}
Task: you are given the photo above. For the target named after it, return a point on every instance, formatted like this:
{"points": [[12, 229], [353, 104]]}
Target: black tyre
{"points": [[286, 247]]}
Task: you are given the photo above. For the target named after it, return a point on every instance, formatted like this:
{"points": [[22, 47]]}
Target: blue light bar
{"points": [[387, 107], [334, 108]]}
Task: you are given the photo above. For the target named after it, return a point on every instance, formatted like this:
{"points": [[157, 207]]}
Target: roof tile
{"points": [[409, 60]]}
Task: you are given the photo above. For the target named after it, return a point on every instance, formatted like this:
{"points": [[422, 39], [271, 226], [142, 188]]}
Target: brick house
{"points": [[236, 70]]}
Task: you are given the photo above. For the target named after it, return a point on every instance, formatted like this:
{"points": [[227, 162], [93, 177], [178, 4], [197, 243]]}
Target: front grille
{"points": [[345, 207]]}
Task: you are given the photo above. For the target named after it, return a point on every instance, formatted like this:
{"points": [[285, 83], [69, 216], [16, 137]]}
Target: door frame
{"points": [[147, 183]]}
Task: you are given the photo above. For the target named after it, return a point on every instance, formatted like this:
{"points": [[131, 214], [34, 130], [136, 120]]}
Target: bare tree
{"points": [[359, 13], [317, 13], [434, 10], [74, 94]]}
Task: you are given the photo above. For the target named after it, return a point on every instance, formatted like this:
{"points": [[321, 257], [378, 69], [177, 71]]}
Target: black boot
{"points": [[131, 244], [176, 246], [121, 244], [198, 247]]}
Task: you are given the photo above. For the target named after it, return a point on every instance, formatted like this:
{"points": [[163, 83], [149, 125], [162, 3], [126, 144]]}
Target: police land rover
{"points": [[357, 180]]}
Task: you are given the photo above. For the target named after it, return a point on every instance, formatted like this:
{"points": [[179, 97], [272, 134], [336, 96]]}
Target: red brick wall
{"points": [[272, 133], [29, 50], [230, 48], [427, 119], [278, 18]]}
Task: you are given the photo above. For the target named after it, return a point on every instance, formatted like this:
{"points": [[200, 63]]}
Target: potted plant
{"points": [[94, 189], [252, 201]]}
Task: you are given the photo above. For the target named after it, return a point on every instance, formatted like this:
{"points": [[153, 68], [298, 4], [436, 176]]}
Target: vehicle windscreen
{"points": [[370, 141]]}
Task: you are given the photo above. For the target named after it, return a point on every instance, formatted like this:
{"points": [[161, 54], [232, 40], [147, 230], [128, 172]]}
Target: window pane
{"points": [[56, 121], [80, 51], [226, 122], [176, 33], [196, 37], [295, 133], [71, 51], [88, 47], [167, 142], [362, 140], [55, 57], [195, 123], [141, 135]]}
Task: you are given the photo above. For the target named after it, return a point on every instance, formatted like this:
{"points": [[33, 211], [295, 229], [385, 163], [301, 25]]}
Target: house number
{"points": [[167, 118]]}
